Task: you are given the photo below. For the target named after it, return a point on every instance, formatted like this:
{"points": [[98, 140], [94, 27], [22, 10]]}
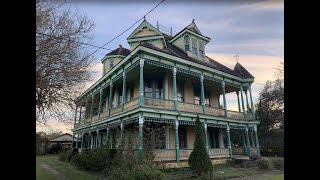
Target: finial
{"points": [[193, 20], [144, 17], [236, 57]]}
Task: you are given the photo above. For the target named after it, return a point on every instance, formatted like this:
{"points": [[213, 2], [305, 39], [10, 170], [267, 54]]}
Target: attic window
{"points": [[194, 47], [201, 50], [144, 27], [186, 43]]}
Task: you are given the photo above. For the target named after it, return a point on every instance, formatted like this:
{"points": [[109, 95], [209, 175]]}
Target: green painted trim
{"points": [[257, 140], [202, 96], [175, 100], [243, 107], [140, 146], [144, 38], [100, 101], [252, 106], [141, 83], [124, 88], [91, 114], [110, 97], [188, 31], [177, 140], [224, 99], [239, 107], [229, 142], [245, 92], [111, 56], [248, 142], [252, 139]]}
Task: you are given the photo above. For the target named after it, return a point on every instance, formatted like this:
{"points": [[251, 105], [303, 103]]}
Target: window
{"points": [[182, 133], [197, 95], [194, 47], [153, 88], [180, 91], [111, 63], [186, 43], [148, 88], [154, 136], [201, 49]]}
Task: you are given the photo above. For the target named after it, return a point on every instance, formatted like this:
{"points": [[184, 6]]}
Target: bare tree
{"points": [[62, 61]]}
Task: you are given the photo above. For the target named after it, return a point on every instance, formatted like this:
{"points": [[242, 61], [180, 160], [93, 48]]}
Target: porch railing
{"points": [[115, 110], [165, 154], [188, 107], [237, 150], [158, 103], [95, 118], [185, 153], [235, 115], [249, 116], [131, 104], [218, 152], [103, 115], [253, 151], [214, 111]]}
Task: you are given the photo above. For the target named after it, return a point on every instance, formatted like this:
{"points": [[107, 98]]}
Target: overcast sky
{"points": [[251, 30]]}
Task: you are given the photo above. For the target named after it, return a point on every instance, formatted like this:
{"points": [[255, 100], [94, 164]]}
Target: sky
{"points": [[253, 30]]}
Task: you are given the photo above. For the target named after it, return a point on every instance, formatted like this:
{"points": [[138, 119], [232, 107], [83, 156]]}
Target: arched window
{"points": [[201, 49], [186, 43]]}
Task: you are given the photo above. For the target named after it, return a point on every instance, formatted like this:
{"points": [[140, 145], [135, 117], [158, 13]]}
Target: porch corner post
{"points": [[224, 98], [206, 134], [247, 101], [244, 144], [248, 141], [107, 136], [175, 99], [100, 101], [252, 139], [75, 116], [177, 140], [140, 147], [141, 98], [243, 107], [110, 97], [229, 141], [239, 107], [91, 113], [257, 141], [121, 133], [252, 106], [202, 95], [97, 139], [81, 139], [124, 82]]}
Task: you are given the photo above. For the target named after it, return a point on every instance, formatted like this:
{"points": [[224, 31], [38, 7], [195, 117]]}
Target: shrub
{"points": [[264, 163], [199, 161], [278, 163], [141, 172], [65, 156]]}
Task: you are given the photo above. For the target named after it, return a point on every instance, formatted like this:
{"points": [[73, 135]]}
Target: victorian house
{"points": [[153, 92]]}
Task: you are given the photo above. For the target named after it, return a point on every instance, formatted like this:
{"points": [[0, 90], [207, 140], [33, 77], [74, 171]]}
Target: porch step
{"points": [[245, 161]]}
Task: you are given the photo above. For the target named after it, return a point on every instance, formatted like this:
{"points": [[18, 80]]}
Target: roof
{"points": [[175, 51], [119, 51], [63, 138], [239, 69]]}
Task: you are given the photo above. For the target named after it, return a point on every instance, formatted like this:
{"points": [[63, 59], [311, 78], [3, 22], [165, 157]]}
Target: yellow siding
{"points": [[188, 92], [136, 89], [179, 43], [190, 137], [106, 64], [214, 100], [144, 32]]}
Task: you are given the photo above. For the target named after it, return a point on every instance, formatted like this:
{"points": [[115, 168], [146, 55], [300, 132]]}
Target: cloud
{"points": [[54, 125]]}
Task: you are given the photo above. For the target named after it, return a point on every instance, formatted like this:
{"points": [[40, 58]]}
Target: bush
{"points": [[65, 156], [278, 163], [264, 163], [96, 160], [141, 172], [199, 161]]}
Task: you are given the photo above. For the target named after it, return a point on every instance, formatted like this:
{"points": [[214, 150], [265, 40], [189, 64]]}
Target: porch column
{"points": [[110, 97], [177, 140], [75, 116], [91, 114], [91, 140], [252, 139], [140, 146], [224, 98], [72, 140], [124, 82], [244, 145], [248, 106], [206, 134], [220, 136], [257, 141], [107, 136], [97, 138], [175, 99], [121, 133], [87, 111], [252, 106], [77, 140], [229, 141], [81, 139], [141, 98], [100, 101], [80, 113], [248, 141], [202, 95], [239, 107], [244, 111]]}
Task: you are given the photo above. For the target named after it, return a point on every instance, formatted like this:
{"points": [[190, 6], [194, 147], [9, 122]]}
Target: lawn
{"points": [[276, 177], [64, 169]]}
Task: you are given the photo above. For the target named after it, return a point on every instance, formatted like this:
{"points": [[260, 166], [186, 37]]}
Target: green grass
{"points": [[276, 177], [65, 169]]}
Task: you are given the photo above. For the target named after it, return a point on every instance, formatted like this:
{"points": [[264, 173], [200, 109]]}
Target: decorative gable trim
{"points": [[143, 25]]}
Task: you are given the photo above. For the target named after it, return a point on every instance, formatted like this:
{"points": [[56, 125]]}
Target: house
{"points": [[64, 141], [153, 92]]}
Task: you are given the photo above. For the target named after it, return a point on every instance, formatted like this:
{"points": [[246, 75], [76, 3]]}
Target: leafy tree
{"points": [[62, 61], [270, 112], [199, 161]]}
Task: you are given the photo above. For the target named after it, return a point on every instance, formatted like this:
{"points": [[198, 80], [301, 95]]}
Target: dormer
{"points": [[113, 58], [146, 32], [191, 40]]}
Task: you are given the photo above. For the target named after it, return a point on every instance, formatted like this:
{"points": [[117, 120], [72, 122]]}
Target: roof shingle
{"points": [[239, 69], [119, 51]]}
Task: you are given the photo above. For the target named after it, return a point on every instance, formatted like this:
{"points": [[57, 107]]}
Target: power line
{"points": [[74, 41], [126, 29]]}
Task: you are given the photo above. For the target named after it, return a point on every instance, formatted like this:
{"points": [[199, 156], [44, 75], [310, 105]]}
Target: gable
{"points": [[143, 30], [64, 137], [193, 27]]}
